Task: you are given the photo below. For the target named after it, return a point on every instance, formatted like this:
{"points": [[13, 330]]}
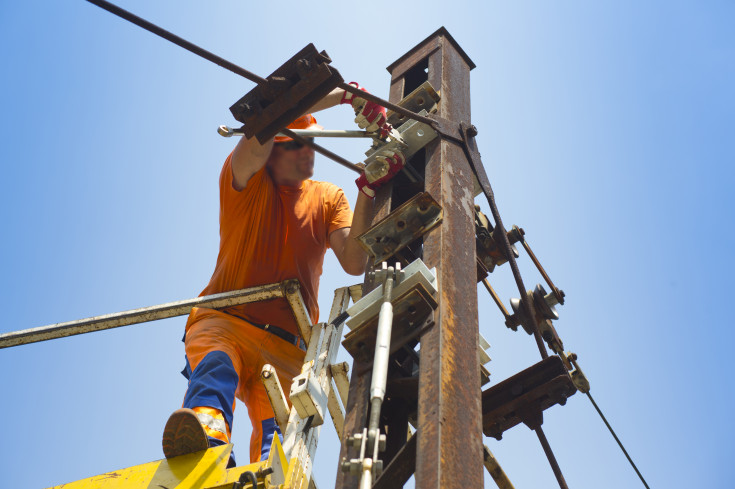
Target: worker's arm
{"points": [[249, 155], [344, 241]]}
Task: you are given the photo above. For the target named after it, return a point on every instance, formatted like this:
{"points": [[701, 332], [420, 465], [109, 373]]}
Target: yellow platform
{"points": [[201, 470]]}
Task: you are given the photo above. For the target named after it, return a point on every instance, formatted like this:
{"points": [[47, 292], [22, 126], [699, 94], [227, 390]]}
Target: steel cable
{"points": [[169, 36], [599, 411]]}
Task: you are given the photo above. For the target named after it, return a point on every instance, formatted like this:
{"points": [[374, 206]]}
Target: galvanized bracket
{"points": [[422, 98], [410, 221], [288, 92], [412, 300]]}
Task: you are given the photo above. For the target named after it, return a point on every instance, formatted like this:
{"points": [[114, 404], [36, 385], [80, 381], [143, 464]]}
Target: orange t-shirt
{"points": [[270, 233]]}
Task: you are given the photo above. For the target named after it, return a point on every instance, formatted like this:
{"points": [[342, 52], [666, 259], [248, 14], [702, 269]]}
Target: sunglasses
{"points": [[293, 144]]}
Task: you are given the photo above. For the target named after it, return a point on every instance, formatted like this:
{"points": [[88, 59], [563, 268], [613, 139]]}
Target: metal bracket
{"points": [[524, 396], [410, 221], [289, 91]]}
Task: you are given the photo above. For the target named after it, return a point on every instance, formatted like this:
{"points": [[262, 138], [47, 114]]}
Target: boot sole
{"points": [[183, 434]]}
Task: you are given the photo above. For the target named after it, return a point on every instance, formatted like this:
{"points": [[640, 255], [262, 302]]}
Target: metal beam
{"points": [[449, 432]]}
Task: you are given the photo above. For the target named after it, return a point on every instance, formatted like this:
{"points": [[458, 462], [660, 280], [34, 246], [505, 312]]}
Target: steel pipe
{"points": [[142, 315]]}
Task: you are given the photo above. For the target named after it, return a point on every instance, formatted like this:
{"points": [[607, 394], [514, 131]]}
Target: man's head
{"points": [[291, 162]]}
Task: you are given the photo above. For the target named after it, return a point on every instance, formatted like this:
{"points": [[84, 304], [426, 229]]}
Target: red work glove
{"points": [[369, 115], [383, 168]]}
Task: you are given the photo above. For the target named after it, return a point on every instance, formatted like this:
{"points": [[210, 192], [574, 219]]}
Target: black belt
{"points": [[275, 330]]}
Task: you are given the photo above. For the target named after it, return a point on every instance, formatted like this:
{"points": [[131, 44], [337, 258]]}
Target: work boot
{"points": [[183, 434]]}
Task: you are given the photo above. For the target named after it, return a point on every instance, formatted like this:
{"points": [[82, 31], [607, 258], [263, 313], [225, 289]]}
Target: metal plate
{"points": [[524, 396], [288, 93], [423, 98], [410, 221]]}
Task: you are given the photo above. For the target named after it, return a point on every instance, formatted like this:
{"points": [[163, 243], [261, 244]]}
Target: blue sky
{"points": [[606, 129]]}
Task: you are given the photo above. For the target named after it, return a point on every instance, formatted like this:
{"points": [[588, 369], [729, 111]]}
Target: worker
{"points": [[275, 224]]}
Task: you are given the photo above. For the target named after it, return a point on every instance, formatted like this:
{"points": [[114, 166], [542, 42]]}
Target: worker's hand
{"points": [[369, 115], [382, 169]]}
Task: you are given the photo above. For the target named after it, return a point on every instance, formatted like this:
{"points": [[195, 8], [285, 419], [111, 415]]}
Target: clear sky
{"points": [[606, 129]]}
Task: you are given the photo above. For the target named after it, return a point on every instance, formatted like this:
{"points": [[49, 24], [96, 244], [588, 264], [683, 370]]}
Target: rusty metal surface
{"points": [[419, 53], [552, 459], [524, 396], [433, 41], [290, 91], [448, 129], [449, 416], [557, 292], [496, 299], [404, 225], [400, 469], [142, 315]]}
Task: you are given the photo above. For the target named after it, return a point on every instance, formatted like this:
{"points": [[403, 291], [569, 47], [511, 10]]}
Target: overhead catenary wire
{"points": [[620, 444], [169, 36]]}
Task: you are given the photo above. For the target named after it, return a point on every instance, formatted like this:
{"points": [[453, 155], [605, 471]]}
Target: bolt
{"points": [[472, 131], [262, 472]]}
